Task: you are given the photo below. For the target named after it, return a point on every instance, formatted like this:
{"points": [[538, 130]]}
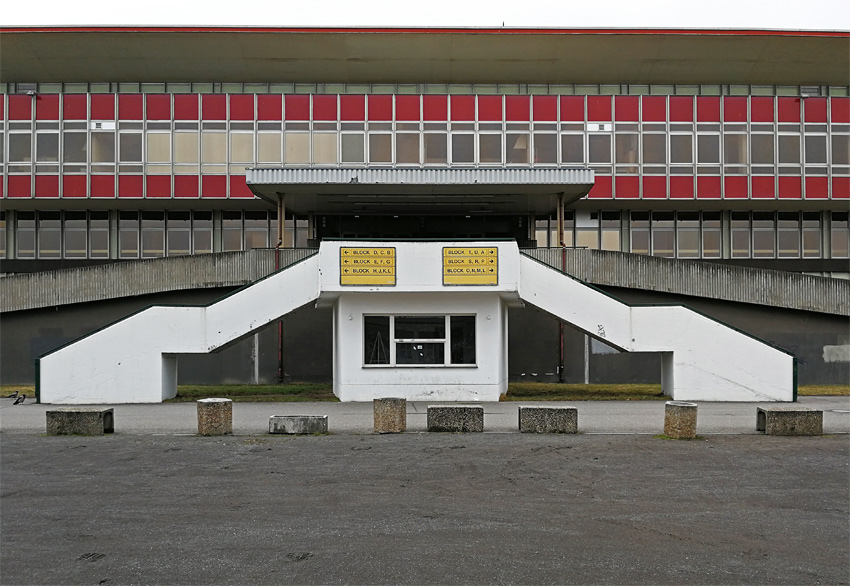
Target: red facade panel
{"points": [[74, 186], [131, 106], [214, 186], [242, 107], [627, 108], [627, 187], [158, 186], [599, 108], [238, 187], [435, 108], [681, 109], [840, 110], [296, 108], [815, 109], [131, 186], [788, 109], [324, 107], [490, 108], [572, 108], [103, 107], [214, 107], [817, 188], [734, 109], [158, 106], [47, 185], [352, 108], [518, 108], [186, 107], [681, 187], [654, 187], [653, 108], [708, 187], [735, 187], [545, 108], [186, 186], [380, 108], [790, 187], [103, 186], [463, 108], [763, 187], [47, 107], [708, 109], [270, 108], [407, 108], [20, 107], [602, 187], [761, 109], [841, 188], [75, 107], [20, 185]]}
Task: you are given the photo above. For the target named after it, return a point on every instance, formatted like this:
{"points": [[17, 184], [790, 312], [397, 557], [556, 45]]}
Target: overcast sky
{"points": [[765, 14]]}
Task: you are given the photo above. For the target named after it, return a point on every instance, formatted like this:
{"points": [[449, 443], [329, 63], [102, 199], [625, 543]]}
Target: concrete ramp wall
{"points": [[702, 359], [134, 360]]}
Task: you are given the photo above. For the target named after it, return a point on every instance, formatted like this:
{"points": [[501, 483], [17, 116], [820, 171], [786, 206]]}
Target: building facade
{"points": [[725, 146]]}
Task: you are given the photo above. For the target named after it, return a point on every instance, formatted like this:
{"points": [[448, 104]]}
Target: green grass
{"points": [[524, 391]]}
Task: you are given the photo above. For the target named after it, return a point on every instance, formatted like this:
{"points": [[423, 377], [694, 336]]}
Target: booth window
{"points": [[418, 340]]}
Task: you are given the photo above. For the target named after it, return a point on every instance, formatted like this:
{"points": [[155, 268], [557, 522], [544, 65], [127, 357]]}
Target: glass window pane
{"points": [[420, 353], [128, 235], [231, 229], [407, 149], [99, 234], [517, 148], [49, 235], [764, 235], [708, 149], [711, 235], [762, 149], [490, 148], [241, 148], [380, 148], [269, 147], [639, 232], [572, 148], [297, 148], [214, 147], [75, 230], [840, 149], [462, 339], [681, 149], [663, 237], [816, 150], [324, 148], [545, 148], [599, 148], [74, 147], [654, 149], [376, 339], [420, 327], [840, 235], [735, 149], [159, 147], [353, 148], [436, 149], [627, 148], [130, 147], [25, 235], [201, 232], [153, 234], [463, 148], [103, 147], [186, 147], [20, 148], [789, 149], [46, 147]]}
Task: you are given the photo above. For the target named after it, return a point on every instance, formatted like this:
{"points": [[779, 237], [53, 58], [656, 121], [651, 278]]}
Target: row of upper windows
{"points": [[484, 109], [422, 88]]}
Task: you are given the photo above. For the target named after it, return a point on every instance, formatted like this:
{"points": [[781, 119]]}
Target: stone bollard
{"points": [[455, 418], [680, 420], [390, 415], [548, 420], [215, 417]]}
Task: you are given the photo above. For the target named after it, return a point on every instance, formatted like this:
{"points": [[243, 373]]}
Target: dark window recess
{"points": [[463, 339], [377, 339]]}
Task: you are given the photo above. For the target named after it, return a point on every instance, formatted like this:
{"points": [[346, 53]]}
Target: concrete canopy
{"points": [[370, 190], [418, 55]]}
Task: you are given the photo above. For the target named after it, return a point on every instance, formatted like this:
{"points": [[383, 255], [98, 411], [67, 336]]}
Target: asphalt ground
{"points": [[155, 504]]}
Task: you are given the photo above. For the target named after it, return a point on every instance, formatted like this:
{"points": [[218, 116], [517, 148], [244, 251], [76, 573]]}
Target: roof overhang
{"points": [[431, 191], [424, 55]]}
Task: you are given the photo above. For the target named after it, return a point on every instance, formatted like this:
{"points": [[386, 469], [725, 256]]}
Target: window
{"points": [[99, 234], [687, 235], [128, 235], [202, 232], [572, 149], [663, 235], [256, 230], [740, 227], [153, 234], [418, 340], [840, 235], [178, 233], [407, 144], [788, 235], [49, 235], [76, 231], [711, 235], [639, 232], [811, 235], [25, 235], [764, 235], [231, 231]]}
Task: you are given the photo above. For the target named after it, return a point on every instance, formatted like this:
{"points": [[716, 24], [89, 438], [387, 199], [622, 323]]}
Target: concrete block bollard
{"points": [[390, 415], [298, 424], [680, 420], [789, 421], [455, 418], [548, 420], [215, 417], [80, 421]]}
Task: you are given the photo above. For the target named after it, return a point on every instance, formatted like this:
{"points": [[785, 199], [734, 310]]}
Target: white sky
{"points": [[764, 14]]}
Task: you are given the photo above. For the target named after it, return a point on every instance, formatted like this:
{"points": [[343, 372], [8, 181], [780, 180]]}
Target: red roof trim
{"points": [[414, 30]]}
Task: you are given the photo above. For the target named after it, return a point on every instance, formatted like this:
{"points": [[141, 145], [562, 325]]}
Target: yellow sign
{"points": [[471, 266], [367, 266]]}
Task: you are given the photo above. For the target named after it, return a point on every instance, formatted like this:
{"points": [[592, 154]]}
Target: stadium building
{"points": [[706, 167]]}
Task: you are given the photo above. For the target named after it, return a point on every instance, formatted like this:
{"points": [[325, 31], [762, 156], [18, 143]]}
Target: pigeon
{"points": [[12, 396], [20, 400]]}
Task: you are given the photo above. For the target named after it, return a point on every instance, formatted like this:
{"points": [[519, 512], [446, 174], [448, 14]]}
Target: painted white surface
{"points": [[135, 360], [702, 359]]}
